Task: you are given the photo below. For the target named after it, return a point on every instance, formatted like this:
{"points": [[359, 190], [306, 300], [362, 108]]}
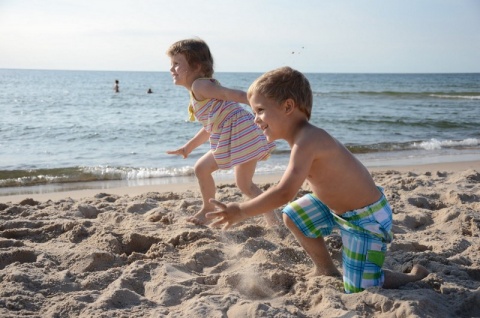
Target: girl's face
{"points": [[181, 72]]}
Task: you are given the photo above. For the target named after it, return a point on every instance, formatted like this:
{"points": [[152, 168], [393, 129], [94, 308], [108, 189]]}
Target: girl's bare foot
{"points": [[199, 217]]}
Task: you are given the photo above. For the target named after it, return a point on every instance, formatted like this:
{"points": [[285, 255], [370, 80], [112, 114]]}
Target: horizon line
{"points": [[257, 72]]}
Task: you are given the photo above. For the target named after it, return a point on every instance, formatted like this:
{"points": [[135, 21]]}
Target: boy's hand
{"points": [[226, 214]]}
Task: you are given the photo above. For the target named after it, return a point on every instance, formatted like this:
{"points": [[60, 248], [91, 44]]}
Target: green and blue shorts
{"points": [[365, 233]]}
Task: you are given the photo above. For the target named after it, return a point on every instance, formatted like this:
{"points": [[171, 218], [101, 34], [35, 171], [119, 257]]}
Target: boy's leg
{"points": [[315, 248], [204, 168], [397, 279], [363, 259], [243, 177]]}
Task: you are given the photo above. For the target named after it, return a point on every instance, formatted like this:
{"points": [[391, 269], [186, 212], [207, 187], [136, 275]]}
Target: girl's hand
{"points": [[179, 152], [226, 214]]}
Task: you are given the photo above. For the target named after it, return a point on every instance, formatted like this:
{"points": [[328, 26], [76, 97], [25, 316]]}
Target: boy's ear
{"points": [[289, 106]]}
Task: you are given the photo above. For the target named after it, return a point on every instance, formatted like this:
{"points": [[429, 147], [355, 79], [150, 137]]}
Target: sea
{"points": [[62, 130]]}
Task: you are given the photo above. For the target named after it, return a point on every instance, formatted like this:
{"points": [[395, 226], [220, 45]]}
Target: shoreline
{"points": [[81, 190]]}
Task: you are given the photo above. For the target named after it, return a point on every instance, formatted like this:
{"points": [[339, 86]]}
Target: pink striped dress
{"points": [[234, 137]]}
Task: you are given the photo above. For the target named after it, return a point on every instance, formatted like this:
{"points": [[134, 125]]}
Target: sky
{"points": [[317, 36]]}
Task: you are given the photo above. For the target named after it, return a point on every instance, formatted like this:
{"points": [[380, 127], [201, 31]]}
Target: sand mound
{"points": [[121, 256]]}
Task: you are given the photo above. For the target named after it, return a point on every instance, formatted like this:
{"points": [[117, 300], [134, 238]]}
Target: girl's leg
{"points": [[204, 168], [315, 248], [243, 177]]}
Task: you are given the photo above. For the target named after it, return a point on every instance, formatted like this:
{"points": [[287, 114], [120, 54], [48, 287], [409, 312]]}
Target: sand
{"points": [[128, 252]]}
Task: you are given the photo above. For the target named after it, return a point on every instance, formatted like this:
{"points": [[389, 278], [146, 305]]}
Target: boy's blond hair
{"points": [[284, 83], [196, 51]]}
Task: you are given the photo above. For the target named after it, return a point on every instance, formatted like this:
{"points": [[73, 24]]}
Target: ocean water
{"points": [[63, 127]]}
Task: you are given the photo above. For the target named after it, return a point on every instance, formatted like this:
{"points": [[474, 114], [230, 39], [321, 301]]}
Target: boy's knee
{"points": [[288, 222]]}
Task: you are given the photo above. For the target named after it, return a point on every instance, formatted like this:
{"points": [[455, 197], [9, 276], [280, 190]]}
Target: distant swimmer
{"points": [[149, 91], [116, 87]]}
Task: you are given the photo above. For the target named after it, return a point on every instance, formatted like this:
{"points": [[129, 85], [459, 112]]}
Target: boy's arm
{"points": [[203, 89], [291, 181]]}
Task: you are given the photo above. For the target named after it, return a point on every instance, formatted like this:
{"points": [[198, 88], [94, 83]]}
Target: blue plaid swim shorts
{"points": [[365, 233]]}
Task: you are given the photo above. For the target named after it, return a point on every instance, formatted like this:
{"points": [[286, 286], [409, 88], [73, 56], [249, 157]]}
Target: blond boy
{"points": [[344, 193]]}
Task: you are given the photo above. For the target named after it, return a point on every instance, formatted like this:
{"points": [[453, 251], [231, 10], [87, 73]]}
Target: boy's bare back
{"points": [[336, 177]]}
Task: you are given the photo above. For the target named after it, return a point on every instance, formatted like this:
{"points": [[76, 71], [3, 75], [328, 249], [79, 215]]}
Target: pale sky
{"points": [[358, 36]]}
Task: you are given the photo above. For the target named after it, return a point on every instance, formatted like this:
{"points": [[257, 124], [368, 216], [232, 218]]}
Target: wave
{"points": [[400, 94], [473, 97], [17, 178], [432, 144], [32, 177], [414, 122]]}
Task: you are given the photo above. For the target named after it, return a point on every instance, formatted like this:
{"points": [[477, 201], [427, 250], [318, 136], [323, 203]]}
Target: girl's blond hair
{"points": [[196, 52]]}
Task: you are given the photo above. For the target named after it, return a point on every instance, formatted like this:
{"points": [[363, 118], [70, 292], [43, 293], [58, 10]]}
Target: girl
{"points": [[235, 140]]}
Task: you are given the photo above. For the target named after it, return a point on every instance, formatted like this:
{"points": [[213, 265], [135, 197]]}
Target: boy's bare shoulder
{"points": [[317, 146], [313, 136]]}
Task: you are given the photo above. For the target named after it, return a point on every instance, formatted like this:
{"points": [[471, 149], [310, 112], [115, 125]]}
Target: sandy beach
{"points": [[128, 252]]}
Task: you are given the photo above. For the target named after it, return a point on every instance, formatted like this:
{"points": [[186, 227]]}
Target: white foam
{"points": [[138, 173], [473, 97], [434, 144]]}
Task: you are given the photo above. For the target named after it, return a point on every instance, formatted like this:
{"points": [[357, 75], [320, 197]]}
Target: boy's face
{"points": [[268, 116], [180, 70]]}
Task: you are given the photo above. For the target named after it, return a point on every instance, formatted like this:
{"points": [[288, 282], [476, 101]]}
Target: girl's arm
{"points": [[200, 138], [203, 89]]}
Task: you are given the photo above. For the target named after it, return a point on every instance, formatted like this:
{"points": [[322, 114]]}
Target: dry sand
{"points": [[130, 253]]}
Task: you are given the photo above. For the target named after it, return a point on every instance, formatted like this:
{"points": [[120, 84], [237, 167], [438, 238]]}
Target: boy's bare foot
{"points": [[419, 272], [199, 218], [324, 272], [395, 279]]}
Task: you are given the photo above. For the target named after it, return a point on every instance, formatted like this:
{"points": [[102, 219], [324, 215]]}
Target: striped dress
{"points": [[234, 137]]}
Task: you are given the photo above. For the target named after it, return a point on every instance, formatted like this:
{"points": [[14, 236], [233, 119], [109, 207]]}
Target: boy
{"points": [[344, 193]]}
